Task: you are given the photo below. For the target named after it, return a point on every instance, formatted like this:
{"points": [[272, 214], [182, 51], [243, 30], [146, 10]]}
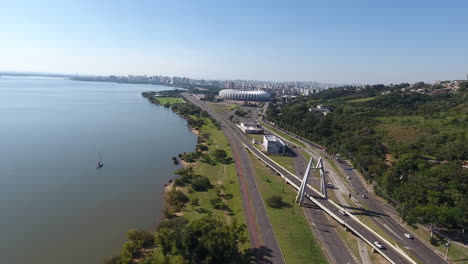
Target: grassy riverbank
{"points": [[223, 177]]}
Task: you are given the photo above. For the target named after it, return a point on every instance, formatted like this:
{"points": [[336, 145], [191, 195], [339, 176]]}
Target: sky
{"points": [[354, 41]]}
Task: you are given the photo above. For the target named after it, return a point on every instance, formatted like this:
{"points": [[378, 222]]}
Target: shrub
{"points": [[201, 183], [178, 182], [168, 212], [190, 157], [195, 202], [202, 147], [176, 199], [185, 171], [129, 251], [146, 238], [217, 203], [220, 155]]}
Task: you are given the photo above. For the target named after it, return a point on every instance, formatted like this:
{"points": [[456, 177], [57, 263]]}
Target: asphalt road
{"points": [[381, 218], [394, 255], [260, 229]]}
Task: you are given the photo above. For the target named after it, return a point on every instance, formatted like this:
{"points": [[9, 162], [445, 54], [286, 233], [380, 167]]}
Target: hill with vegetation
{"points": [[409, 140]]}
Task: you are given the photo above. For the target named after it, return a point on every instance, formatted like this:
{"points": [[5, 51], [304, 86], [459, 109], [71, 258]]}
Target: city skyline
{"points": [[337, 42]]}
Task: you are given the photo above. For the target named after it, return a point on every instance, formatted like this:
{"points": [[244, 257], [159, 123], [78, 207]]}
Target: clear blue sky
{"points": [[349, 41]]}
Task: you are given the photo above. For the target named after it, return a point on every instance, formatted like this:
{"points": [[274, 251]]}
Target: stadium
{"points": [[244, 95]]}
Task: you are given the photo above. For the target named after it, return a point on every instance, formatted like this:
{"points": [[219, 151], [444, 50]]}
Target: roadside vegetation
{"points": [[204, 217], [411, 146]]}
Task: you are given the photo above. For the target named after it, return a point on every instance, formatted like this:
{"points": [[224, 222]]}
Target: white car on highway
{"points": [[377, 244], [342, 212], [408, 235]]}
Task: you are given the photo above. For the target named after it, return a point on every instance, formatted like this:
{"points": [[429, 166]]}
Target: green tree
{"points": [[176, 199], [146, 238], [195, 202], [201, 183], [220, 155]]}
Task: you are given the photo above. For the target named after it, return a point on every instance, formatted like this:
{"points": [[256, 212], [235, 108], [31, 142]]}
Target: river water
{"points": [[55, 206]]}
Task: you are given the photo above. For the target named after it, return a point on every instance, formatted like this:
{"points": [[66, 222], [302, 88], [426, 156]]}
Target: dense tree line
{"points": [[410, 144], [205, 240], [193, 115]]}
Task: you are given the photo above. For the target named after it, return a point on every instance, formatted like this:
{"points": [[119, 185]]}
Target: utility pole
{"points": [[446, 253], [284, 180]]}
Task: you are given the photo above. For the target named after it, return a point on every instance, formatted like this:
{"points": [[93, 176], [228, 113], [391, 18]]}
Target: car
{"points": [[377, 244], [364, 196], [408, 235], [342, 212], [347, 177]]}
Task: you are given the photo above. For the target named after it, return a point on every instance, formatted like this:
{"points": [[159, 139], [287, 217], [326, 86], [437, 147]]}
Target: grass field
{"points": [[402, 133], [289, 223], [223, 107], [361, 100], [219, 175], [286, 161], [170, 100]]}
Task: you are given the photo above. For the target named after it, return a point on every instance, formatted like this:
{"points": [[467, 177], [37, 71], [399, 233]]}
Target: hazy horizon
{"points": [[338, 42]]}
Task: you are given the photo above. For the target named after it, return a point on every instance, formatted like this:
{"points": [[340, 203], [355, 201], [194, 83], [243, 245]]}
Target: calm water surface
{"points": [[55, 207]]}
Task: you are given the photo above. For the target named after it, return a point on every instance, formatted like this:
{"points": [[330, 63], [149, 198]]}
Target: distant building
{"points": [[321, 108], [244, 95], [250, 129], [465, 164], [274, 145]]}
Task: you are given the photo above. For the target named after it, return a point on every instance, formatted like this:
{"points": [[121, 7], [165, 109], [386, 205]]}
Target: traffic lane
{"points": [[336, 250], [395, 230], [414, 245], [263, 221], [370, 236]]}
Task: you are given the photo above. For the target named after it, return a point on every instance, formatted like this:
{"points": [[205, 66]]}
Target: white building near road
{"points": [[250, 129], [321, 108], [273, 145]]}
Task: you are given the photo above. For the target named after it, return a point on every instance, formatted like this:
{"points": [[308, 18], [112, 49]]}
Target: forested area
{"points": [[410, 144]]}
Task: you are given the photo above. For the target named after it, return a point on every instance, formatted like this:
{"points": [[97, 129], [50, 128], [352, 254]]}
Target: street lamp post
{"points": [[446, 253]]}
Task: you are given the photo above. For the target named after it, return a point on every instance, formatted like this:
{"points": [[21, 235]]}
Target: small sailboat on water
{"points": [[100, 163]]}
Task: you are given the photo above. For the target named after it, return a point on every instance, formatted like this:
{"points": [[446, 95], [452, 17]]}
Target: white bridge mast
{"points": [[323, 185]]}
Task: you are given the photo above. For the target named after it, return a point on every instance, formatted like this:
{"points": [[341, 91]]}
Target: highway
{"points": [[394, 255], [381, 217]]}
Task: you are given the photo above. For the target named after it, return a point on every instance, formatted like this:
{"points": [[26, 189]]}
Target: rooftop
{"points": [[271, 138]]}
